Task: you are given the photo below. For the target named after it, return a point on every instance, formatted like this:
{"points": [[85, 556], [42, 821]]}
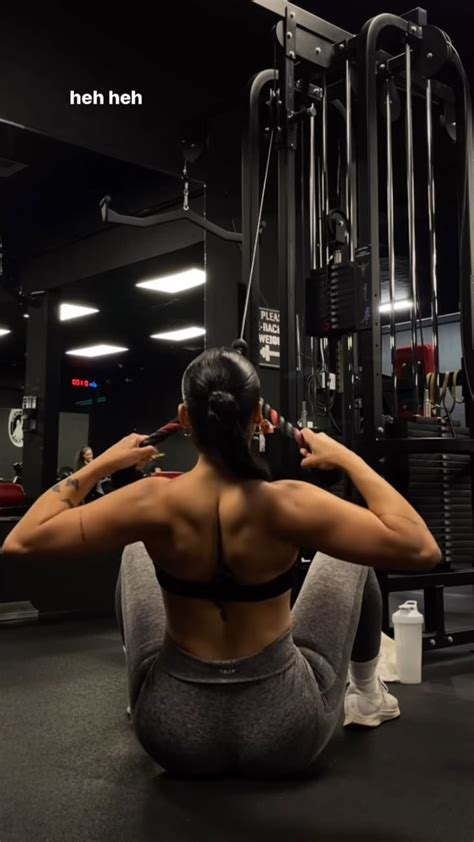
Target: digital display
{"points": [[79, 383]]}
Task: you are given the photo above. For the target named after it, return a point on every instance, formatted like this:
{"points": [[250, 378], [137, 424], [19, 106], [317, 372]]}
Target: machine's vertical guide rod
{"points": [[287, 222], [411, 223], [320, 215], [353, 231], [346, 343], [312, 235], [367, 252], [391, 243], [301, 344], [349, 155], [320, 253], [432, 234], [324, 223], [324, 171], [312, 193]]}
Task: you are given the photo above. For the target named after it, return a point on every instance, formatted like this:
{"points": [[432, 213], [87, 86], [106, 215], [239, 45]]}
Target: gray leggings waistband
{"points": [[275, 658]]}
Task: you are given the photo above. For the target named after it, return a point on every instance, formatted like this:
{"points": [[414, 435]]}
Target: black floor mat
{"points": [[72, 771]]}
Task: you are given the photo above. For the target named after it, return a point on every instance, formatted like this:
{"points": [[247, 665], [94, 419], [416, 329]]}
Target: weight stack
{"points": [[337, 301], [439, 488]]}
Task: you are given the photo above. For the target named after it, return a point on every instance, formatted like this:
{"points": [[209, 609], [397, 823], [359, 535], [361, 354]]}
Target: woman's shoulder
{"points": [[291, 498], [285, 489]]}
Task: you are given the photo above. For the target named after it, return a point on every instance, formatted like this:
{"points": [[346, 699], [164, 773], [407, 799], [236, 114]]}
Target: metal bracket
{"points": [[303, 114], [287, 89], [313, 92], [416, 15], [290, 33], [414, 32]]}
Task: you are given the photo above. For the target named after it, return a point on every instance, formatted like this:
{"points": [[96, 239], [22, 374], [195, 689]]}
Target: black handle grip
{"points": [[162, 434]]}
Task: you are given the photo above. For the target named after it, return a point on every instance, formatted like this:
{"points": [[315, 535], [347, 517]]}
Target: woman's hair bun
{"points": [[240, 346], [222, 404]]}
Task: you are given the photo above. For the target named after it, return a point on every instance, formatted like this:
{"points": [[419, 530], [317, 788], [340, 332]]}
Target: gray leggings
{"points": [[267, 715]]}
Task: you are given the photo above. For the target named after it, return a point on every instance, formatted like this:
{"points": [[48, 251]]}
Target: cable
{"points": [[257, 234], [448, 417], [331, 416], [442, 400], [452, 389], [420, 324]]}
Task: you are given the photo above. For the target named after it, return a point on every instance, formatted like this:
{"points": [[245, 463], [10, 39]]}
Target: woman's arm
{"points": [[56, 524], [389, 534]]}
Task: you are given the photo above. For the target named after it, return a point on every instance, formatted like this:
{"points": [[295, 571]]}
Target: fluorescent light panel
{"points": [[74, 311], [180, 335], [403, 304], [175, 283], [96, 351], [4, 331]]}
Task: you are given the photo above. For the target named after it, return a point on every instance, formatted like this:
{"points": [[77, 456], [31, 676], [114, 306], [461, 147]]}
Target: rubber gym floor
{"points": [[72, 771]]}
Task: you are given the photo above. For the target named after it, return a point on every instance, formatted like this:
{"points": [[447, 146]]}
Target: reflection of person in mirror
{"points": [[84, 456], [16, 428]]}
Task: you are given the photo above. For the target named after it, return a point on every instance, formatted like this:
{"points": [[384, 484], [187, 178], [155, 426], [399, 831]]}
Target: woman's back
{"points": [[187, 545]]}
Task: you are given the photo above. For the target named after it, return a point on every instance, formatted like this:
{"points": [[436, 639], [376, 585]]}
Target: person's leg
{"points": [[140, 615], [337, 616], [367, 700], [366, 644]]}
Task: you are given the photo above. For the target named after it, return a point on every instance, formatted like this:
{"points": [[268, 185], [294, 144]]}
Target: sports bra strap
{"points": [[228, 590], [223, 587]]}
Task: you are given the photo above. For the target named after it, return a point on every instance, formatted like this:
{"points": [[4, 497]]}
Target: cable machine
{"points": [[341, 112]]}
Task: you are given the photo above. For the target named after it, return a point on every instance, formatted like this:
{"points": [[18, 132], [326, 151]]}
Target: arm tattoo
{"points": [[57, 488]]}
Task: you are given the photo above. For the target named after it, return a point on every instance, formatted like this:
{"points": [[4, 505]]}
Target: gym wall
{"points": [[73, 433], [143, 407]]}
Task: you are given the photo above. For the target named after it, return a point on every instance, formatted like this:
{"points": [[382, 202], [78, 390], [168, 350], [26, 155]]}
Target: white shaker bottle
{"points": [[408, 625]]}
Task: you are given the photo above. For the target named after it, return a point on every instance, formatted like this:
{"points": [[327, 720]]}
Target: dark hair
{"points": [[221, 390], [80, 456]]}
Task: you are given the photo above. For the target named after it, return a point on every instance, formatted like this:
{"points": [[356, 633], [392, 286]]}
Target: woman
{"points": [[223, 677], [84, 456]]}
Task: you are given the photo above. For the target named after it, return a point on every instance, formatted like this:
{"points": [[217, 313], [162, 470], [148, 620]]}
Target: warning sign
{"points": [[269, 338]]}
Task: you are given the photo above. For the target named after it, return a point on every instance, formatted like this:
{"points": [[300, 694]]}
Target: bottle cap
{"points": [[408, 613]]}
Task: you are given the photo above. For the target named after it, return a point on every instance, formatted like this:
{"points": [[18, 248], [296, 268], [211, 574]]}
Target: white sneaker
{"points": [[370, 710]]}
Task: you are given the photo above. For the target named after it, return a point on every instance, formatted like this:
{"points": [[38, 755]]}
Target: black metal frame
{"points": [[433, 586], [304, 37], [251, 202]]}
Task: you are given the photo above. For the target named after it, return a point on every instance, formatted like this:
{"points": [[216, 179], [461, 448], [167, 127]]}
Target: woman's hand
{"points": [[126, 454], [323, 452], [266, 427]]}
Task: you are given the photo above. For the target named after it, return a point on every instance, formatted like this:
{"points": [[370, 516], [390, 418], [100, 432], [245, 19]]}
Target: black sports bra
{"points": [[223, 587]]}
